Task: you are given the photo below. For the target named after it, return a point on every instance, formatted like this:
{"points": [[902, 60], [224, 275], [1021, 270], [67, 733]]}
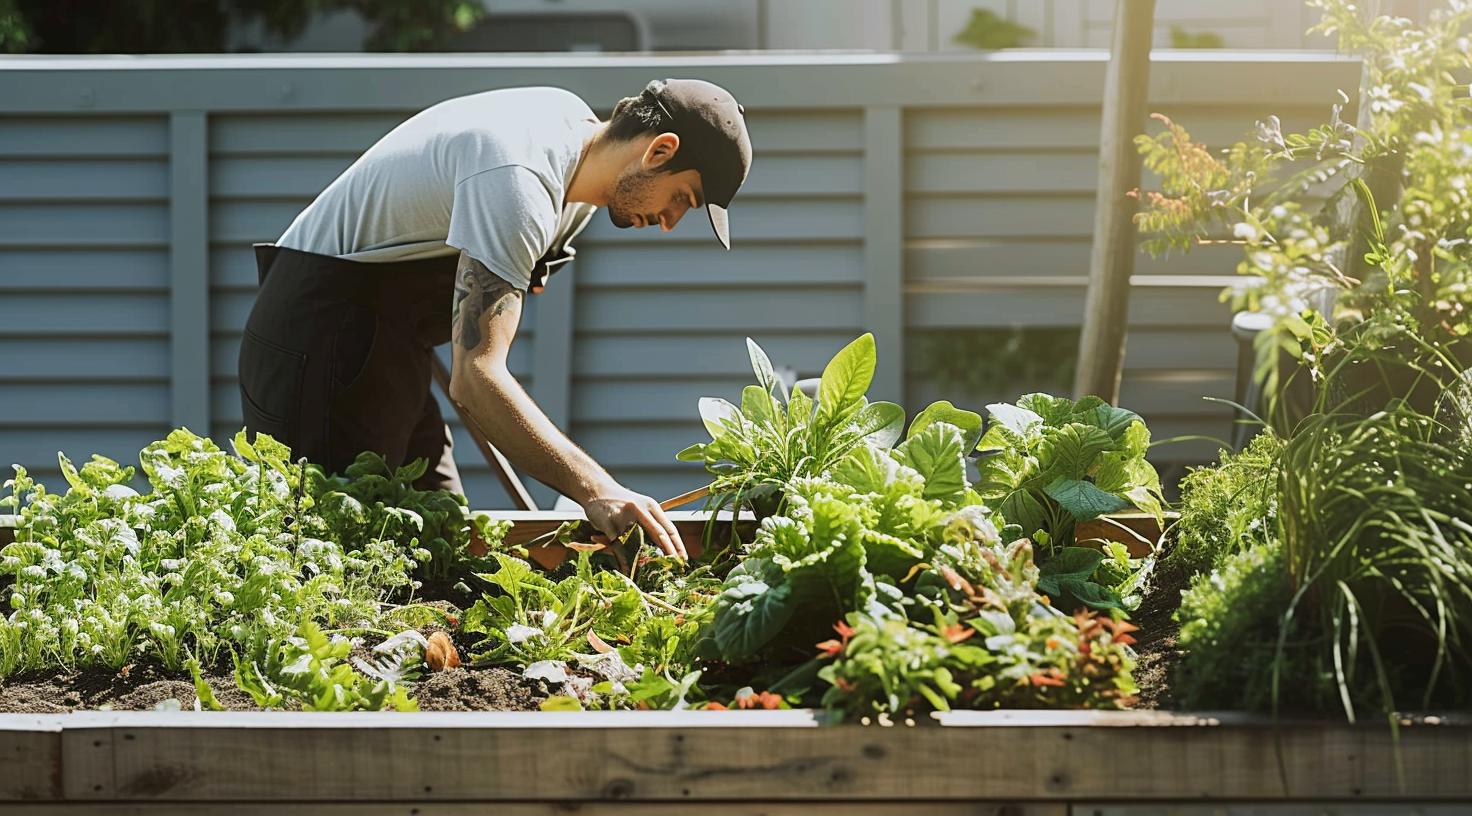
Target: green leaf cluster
{"points": [[220, 549], [1049, 463], [310, 671], [371, 499]]}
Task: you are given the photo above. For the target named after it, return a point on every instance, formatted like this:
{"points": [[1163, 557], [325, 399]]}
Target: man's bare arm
{"points": [[486, 313]]}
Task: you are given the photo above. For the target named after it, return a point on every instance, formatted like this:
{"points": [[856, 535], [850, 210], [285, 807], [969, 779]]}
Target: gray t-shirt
{"points": [[485, 173]]}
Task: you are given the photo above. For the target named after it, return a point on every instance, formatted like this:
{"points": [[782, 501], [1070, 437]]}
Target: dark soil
{"points": [[1157, 657], [470, 689], [140, 688]]}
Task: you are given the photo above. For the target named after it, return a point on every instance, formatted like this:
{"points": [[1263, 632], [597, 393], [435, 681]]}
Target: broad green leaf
{"points": [[1082, 499], [1020, 421], [761, 365], [411, 471], [561, 702], [969, 422], [1020, 507], [881, 423], [1113, 421], [937, 454], [756, 405], [717, 414], [1072, 562], [1074, 592], [1053, 410], [750, 612], [1069, 452], [847, 376]]}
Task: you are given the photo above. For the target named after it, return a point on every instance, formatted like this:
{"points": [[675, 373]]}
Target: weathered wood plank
{"points": [[908, 807], [30, 753], [711, 756]]}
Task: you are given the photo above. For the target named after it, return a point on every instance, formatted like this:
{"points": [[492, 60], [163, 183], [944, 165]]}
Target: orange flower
{"points": [[956, 632], [830, 648], [844, 684], [715, 706], [844, 631], [1046, 678]]}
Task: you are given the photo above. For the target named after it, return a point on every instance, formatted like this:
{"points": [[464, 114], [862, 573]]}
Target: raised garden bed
{"points": [[775, 762]]}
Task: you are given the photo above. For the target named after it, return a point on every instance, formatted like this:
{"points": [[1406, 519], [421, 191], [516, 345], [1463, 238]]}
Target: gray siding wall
{"points": [[887, 194]]}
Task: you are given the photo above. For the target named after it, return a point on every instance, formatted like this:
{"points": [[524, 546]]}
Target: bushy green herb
{"points": [[310, 671], [1228, 507], [1231, 618]]}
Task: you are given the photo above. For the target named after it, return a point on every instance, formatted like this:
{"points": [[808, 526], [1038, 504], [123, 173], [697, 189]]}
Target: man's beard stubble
{"points": [[631, 186]]}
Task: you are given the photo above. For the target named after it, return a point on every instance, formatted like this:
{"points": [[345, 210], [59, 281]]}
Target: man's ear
{"points": [[661, 149]]}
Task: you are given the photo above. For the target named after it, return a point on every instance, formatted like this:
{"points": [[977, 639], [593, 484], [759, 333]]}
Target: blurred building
{"points": [[898, 25]]}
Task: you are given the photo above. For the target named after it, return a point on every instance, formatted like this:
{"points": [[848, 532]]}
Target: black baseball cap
{"points": [[711, 124]]}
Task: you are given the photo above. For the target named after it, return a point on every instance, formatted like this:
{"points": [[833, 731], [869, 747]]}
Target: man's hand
{"points": [[616, 508]]}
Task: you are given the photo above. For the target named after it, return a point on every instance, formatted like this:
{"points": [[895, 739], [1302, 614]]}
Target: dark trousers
{"points": [[336, 359]]}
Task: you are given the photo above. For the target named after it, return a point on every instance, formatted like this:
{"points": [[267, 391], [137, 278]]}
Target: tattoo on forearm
{"points": [[476, 290]]}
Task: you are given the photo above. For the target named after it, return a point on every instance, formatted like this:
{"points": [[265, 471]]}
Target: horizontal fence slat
{"points": [[115, 313], [653, 312], [63, 359], [1154, 306], [36, 224], [87, 135], [78, 180], [66, 268], [688, 265]]}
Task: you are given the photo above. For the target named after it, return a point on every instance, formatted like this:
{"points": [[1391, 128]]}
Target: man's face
{"points": [[644, 196]]}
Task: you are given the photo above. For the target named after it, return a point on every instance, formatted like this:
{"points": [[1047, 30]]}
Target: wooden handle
{"points": [[685, 498]]}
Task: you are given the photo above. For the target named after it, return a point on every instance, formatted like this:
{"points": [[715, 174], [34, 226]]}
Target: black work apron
{"points": [[336, 359]]}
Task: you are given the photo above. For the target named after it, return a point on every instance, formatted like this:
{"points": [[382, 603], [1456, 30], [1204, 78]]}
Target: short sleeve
{"points": [[505, 218]]}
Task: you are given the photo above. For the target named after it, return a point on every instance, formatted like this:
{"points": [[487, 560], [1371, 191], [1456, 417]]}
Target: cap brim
{"points": [[719, 223]]}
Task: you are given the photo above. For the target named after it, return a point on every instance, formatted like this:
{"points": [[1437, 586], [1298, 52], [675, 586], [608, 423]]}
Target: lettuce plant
{"points": [[1049, 463], [221, 549]]}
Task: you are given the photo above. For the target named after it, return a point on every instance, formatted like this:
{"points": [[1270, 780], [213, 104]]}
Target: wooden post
{"points": [[1106, 309]]}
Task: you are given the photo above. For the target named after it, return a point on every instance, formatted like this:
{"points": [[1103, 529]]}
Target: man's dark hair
{"points": [[636, 116]]}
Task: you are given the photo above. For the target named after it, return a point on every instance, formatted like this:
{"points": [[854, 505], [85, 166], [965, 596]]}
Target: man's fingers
{"points": [[674, 532], [652, 526]]}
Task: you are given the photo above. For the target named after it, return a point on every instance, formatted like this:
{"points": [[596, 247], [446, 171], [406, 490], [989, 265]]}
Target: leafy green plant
{"points": [[1055, 462], [310, 671], [1228, 507], [1367, 222], [978, 637], [372, 499], [221, 549], [757, 449]]}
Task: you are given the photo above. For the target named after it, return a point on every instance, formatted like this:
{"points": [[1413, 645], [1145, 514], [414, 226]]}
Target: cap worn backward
{"points": [[713, 124]]}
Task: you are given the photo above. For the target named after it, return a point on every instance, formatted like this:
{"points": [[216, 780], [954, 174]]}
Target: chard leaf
{"points": [[1022, 508], [694, 453], [881, 423], [936, 453], [969, 422], [718, 415], [1083, 499], [847, 377]]}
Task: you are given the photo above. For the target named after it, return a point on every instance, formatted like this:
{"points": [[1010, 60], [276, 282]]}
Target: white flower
{"points": [[1245, 231]]}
